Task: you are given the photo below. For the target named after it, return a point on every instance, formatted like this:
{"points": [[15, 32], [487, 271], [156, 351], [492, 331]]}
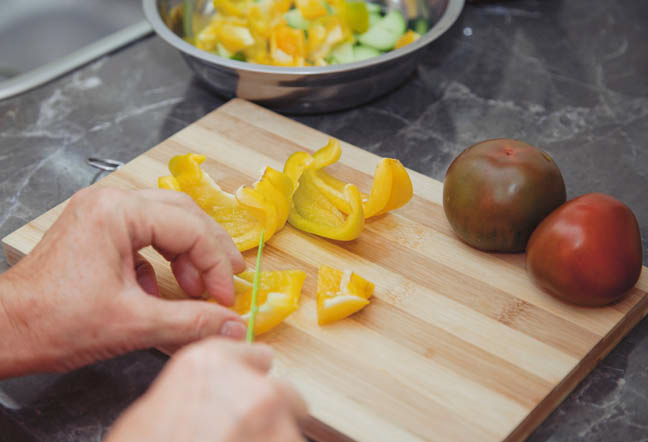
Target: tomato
{"points": [[588, 251], [496, 192]]}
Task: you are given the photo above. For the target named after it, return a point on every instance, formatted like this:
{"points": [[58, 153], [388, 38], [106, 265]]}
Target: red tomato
{"points": [[588, 251]]}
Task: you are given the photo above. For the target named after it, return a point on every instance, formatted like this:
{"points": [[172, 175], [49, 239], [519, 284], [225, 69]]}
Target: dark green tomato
{"points": [[496, 192]]}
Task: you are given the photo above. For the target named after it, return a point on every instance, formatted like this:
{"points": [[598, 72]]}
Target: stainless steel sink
{"points": [[42, 39]]}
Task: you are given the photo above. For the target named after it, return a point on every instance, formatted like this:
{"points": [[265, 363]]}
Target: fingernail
{"points": [[233, 329]]}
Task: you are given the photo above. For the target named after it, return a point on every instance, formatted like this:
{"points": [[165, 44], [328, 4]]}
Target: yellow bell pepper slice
{"points": [[332, 188], [295, 165], [280, 7], [277, 187], [312, 211], [234, 37], [391, 189], [244, 214], [327, 155], [190, 178], [324, 34], [287, 46], [311, 9], [264, 211], [340, 294], [237, 8], [407, 38], [259, 22], [277, 298], [207, 38]]}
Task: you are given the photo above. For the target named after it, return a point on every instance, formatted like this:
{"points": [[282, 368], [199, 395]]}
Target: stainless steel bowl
{"points": [[303, 90]]}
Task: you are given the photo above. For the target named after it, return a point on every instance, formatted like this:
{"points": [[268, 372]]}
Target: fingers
{"points": [[171, 324], [295, 402], [145, 275], [222, 391], [258, 357], [188, 276], [180, 228], [255, 356], [182, 200]]}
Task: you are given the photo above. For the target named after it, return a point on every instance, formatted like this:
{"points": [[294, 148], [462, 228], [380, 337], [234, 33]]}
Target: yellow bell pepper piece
{"points": [[310, 203], [311, 9], [235, 38], [207, 39], [187, 176], [278, 187], [263, 209], [280, 7], [259, 23], [258, 53], [277, 298], [312, 211], [322, 202], [243, 215], [169, 183], [327, 155], [295, 165], [287, 46], [324, 34], [391, 189], [407, 38], [237, 8], [316, 37], [340, 294], [331, 187]]}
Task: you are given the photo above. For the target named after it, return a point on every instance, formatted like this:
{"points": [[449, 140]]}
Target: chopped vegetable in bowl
{"points": [[302, 32]]}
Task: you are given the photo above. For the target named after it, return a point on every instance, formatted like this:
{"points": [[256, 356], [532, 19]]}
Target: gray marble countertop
{"points": [[569, 76]]}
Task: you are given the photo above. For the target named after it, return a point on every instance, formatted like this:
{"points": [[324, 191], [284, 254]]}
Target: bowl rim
{"points": [[448, 18]]}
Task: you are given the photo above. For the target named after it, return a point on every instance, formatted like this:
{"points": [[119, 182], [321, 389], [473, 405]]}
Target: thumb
{"points": [[174, 323]]}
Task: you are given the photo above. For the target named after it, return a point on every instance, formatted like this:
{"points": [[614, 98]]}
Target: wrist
{"points": [[17, 355]]}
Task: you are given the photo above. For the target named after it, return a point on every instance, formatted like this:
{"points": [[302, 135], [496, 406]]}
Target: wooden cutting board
{"points": [[456, 345]]}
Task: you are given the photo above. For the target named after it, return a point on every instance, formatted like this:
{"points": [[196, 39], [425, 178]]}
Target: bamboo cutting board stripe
{"points": [[448, 350], [369, 340], [457, 344]]}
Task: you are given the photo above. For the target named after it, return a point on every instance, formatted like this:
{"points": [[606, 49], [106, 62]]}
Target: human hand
{"points": [[84, 293], [215, 390]]}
